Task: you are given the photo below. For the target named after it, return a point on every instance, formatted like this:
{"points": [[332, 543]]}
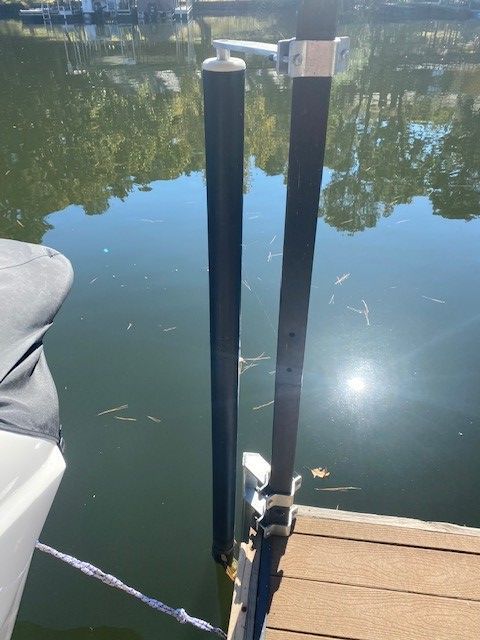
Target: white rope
{"points": [[94, 572]]}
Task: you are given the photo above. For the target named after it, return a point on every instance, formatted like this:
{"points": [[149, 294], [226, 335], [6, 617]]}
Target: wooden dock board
{"points": [[350, 576]]}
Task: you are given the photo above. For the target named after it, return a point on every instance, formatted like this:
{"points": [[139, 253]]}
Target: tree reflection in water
{"points": [[85, 120]]}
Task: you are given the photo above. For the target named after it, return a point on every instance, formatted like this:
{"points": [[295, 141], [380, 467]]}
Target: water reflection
{"points": [[400, 117], [90, 113]]}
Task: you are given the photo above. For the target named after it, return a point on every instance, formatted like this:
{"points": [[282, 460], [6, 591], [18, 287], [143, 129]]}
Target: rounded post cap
{"points": [[230, 64]]}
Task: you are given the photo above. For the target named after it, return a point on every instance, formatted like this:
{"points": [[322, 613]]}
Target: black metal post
{"points": [[224, 86], [308, 128]]}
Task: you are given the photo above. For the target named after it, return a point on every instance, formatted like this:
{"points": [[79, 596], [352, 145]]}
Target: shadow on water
{"points": [[27, 631]]}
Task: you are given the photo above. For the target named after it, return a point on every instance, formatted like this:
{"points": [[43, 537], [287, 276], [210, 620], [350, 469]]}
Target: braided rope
{"points": [[94, 572]]}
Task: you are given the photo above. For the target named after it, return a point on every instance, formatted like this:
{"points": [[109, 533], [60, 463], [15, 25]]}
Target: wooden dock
{"points": [[352, 576]]}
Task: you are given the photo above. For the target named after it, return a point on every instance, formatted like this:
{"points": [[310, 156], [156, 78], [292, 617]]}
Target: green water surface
{"points": [[101, 157]]}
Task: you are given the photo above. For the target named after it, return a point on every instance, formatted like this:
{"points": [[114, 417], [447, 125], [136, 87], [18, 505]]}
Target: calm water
{"points": [[101, 157]]}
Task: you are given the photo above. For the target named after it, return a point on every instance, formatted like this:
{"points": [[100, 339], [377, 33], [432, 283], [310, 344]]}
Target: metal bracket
{"points": [[296, 58], [256, 476], [318, 58]]}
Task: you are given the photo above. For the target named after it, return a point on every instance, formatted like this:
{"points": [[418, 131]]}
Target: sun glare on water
{"points": [[356, 384]]}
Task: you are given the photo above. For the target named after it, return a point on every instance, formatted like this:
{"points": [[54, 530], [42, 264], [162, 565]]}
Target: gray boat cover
{"points": [[34, 281]]}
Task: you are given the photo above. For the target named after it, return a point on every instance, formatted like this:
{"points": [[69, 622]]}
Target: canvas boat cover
{"points": [[34, 281]]}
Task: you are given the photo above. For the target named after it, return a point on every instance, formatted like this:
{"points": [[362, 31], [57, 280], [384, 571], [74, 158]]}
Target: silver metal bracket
{"points": [[256, 476], [296, 58], [318, 58]]}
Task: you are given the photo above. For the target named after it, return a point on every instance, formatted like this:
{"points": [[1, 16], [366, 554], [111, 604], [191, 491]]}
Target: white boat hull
{"points": [[30, 473]]}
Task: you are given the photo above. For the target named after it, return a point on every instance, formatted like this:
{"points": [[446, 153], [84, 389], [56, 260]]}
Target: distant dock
{"points": [[239, 7], [446, 9]]}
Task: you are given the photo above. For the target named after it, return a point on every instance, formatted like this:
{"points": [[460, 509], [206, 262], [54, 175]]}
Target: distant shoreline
{"points": [[394, 11]]}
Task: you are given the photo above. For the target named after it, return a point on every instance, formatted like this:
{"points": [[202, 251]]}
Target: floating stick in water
{"points": [[434, 299], [273, 255], [122, 406], [262, 356], [332, 299], [169, 329], [341, 279], [366, 312], [338, 489], [154, 419], [356, 310], [125, 418], [245, 367], [247, 285], [262, 406], [248, 363]]}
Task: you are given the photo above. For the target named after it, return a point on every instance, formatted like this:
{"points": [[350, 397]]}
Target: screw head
{"points": [[297, 59]]}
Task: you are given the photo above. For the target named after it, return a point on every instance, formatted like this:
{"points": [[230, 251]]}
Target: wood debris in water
{"points": [[248, 363], [262, 406], [364, 312], [130, 325], [154, 418], [273, 255], [245, 366], [341, 279], [120, 408], [262, 356], [332, 299], [247, 285], [127, 419], [93, 280], [434, 300], [338, 488], [169, 329], [20, 224], [320, 472], [273, 239]]}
